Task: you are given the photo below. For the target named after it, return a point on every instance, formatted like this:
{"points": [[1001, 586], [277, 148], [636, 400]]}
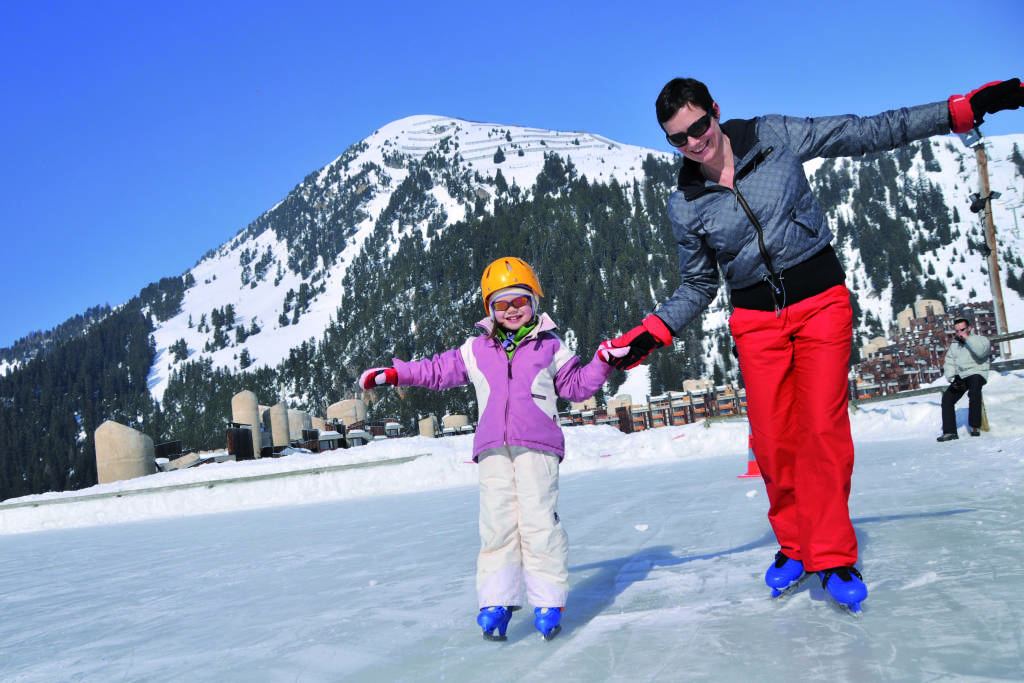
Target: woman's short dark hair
{"points": [[680, 92]]}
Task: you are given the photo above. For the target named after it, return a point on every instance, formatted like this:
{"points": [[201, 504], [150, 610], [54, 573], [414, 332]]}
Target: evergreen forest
{"points": [[603, 251]]}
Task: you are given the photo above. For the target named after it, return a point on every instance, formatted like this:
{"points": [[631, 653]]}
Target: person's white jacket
{"points": [[968, 357]]}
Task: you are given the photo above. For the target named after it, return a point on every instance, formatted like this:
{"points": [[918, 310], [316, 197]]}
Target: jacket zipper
{"points": [[760, 232], [772, 277], [508, 397], [508, 385]]}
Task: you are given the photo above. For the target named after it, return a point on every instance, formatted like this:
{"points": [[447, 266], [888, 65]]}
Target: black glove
{"points": [[958, 384], [968, 111]]}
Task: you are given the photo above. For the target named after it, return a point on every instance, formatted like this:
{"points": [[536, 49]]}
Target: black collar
{"points": [[742, 134]]}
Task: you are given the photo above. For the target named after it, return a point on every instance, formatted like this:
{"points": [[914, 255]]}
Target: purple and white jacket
{"points": [[515, 397]]}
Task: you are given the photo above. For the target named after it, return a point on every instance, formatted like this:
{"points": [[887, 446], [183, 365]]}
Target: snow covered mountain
{"points": [[917, 200], [284, 273], [282, 279], [378, 255]]}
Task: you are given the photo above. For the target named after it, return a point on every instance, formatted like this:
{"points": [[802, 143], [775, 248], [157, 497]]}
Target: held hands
{"points": [[630, 349], [968, 111], [375, 377], [958, 383]]}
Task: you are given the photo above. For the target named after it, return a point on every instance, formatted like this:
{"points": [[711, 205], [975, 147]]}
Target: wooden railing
{"points": [[1000, 338]]}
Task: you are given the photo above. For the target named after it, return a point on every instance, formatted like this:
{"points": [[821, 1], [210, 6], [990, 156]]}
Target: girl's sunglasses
{"points": [[698, 128], [505, 304]]}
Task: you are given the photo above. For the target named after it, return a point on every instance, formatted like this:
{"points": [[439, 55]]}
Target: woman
{"points": [[743, 205]]}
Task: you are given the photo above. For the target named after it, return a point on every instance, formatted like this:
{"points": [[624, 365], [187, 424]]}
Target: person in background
{"points": [[966, 368], [518, 367], [743, 207]]}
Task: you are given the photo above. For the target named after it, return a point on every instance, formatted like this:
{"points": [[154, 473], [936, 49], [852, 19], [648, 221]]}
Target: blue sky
{"points": [[137, 136]]}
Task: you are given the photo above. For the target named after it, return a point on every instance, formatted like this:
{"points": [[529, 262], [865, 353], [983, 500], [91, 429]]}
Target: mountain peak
{"points": [[284, 274]]}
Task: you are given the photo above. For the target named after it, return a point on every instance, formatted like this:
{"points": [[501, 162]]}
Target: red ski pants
{"points": [[795, 370]]}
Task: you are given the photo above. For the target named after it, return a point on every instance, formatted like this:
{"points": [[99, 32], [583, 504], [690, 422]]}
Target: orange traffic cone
{"points": [[752, 469]]}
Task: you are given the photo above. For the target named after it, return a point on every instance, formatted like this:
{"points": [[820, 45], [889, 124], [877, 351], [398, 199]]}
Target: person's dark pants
{"points": [[973, 384]]}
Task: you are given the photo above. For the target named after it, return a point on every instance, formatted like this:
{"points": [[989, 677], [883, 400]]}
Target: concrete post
{"points": [[428, 426], [349, 411], [297, 421], [279, 429], [455, 421], [245, 409], [122, 453]]}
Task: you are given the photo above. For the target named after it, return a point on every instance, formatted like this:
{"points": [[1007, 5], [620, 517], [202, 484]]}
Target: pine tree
{"points": [[500, 183], [1018, 159]]}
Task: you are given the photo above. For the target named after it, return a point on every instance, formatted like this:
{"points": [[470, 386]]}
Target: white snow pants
{"points": [[522, 542]]}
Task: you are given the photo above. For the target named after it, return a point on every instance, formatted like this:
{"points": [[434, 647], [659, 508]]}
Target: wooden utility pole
{"points": [[995, 281]]}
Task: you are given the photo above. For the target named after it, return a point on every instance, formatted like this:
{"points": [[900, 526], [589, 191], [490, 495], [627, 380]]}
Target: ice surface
{"points": [[368, 574]]}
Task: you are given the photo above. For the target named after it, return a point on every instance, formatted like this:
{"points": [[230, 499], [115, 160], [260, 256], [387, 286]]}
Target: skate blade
{"points": [[852, 608], [554, 632], [498, 638], [783, 592]]}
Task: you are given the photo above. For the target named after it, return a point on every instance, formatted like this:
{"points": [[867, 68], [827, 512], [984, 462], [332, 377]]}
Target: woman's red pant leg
{"points": [[822, 363], [766, 357], [795, 370]]}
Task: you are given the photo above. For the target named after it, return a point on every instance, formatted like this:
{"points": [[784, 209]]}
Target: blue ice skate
{"points": [[548, 621], [845, 585], [783, 574], [491, 618]]}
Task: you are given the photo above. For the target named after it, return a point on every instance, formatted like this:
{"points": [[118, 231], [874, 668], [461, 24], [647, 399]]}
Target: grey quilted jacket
{"points": [[714, 226]]}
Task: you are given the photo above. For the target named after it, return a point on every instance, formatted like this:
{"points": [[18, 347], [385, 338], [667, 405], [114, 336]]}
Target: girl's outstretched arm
{"points": [[578, 382], [442, 371]]}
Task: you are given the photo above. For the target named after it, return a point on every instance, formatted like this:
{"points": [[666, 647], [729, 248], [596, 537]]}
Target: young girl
{"points": [[518, 367]]}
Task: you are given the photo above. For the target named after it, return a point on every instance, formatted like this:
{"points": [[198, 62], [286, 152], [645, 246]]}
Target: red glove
{"points": [[968, 111], [374, 377], [630, 349]]}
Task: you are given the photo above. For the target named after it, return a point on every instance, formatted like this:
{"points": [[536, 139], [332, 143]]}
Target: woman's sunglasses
{"points": [[698, 128], [505, 304]]}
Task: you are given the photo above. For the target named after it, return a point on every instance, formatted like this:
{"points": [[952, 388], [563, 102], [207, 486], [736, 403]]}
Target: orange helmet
{"points": [[508, 272]]}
